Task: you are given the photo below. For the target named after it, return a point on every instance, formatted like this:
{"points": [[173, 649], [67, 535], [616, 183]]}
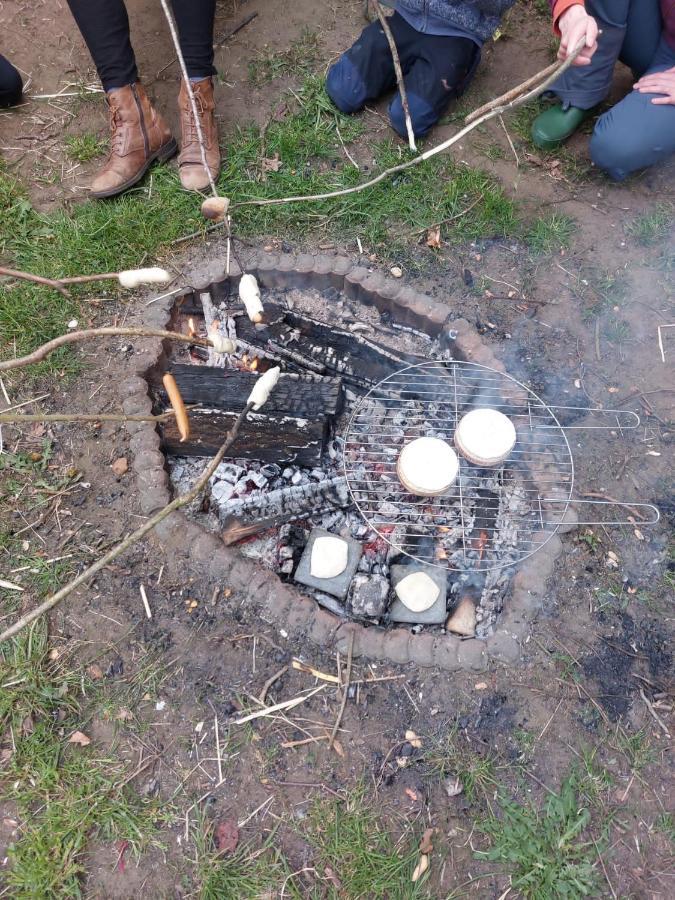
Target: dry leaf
{"points": [[396, 271], [410, 793], [27, 726], [413, 739], [79, 737], [337, 746], [453, 786], [481, 686], [425, 844], [421, 867], [95, 672], [120, 466], [271, 164], [226, 836], [402, 761], [332, 877], [434, 237], [124, 714], [54, 654]]}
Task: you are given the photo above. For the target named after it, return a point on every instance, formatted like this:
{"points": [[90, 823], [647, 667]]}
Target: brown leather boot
{"points": [[139, 136], [193, 177]]}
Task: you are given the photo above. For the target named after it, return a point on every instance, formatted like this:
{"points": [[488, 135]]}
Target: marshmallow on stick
{"points": [[264, 387], [249, 294], [131, 278]]}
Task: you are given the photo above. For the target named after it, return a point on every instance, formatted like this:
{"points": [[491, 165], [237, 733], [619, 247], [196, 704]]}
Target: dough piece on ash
{"points": [[417, 591], [329, 557], [427, 466], [485, 437]]}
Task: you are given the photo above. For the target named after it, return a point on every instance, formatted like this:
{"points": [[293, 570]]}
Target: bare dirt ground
{"points": [[599, 647]]}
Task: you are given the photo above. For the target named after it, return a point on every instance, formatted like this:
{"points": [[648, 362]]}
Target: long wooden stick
{"points": [[134, 537], [504, 106], [74, 337], [399, 73], [38, 279], [18, 419], [514, 92]]}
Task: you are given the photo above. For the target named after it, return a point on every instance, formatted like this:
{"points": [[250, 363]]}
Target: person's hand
{"points": [[575, 26], [658, 83]]}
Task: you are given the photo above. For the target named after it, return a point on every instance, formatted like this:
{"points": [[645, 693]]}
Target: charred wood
{"points": [[288, 503]]}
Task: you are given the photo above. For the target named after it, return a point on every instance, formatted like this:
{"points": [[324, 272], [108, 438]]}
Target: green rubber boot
{"points": [[556, 124]]}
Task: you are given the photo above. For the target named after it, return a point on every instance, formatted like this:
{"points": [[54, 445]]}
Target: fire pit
{"points": [[357, 386]]}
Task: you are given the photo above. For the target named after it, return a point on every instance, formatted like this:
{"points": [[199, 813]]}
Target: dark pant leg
{"points": [[636, 133], [104, 25], [363, 72], [586, 86], [194, 19], [437, 69], [643, 35], [11, 84]]}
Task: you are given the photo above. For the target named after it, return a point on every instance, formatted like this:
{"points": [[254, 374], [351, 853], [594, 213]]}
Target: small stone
{"points": [[369, 595], [453, 786], [287, 473], [396, 271], [463, 619], [296, 478]]}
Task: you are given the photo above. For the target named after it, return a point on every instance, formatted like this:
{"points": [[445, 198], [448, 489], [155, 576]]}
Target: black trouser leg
{"points": [[104, 25], [105, 28], [194, 19], [11, 84]]}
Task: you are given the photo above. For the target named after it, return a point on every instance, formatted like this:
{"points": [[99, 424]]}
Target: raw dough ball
{"points": [[417, 591], [485, 437], [329, 557], [427, 466]]}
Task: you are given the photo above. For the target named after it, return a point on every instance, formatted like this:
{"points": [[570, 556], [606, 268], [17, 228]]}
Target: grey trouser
{"points": [[635, 133]]}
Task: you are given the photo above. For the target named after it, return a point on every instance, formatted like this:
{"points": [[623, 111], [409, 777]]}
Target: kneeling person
{"points": [[439, 44]]}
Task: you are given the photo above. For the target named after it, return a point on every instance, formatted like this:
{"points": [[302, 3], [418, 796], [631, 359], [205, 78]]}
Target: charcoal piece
{"points": [[369, 595], [338, 586]]}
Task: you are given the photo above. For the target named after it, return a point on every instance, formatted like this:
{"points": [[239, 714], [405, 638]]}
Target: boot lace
{"points": [[116, 137], [191, 133]]}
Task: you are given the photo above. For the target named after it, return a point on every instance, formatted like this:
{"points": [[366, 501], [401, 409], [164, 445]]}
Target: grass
{"points": [[654, 226], [84, 147], [299, 59], [547, 851], [448, 755], [349, 838], [550, 234], [64, 794]]}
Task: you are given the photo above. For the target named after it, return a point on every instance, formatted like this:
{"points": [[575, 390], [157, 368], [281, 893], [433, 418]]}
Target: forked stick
{"points": [[133, 538], [399, 73]]}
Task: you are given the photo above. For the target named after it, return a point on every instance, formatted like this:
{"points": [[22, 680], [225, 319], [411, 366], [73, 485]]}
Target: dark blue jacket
{"points": [[479, 17]]}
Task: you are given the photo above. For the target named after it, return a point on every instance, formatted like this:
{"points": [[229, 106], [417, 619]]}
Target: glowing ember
{"points": [[192, 331]]}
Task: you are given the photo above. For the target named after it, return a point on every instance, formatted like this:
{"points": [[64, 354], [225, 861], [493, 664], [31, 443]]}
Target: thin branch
{"points": [[498, 110], [74, 337], [134, 537], [19, 419], [345, 690], [38, 279], [399, 74]]}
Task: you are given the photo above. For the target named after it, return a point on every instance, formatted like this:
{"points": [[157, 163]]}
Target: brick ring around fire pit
{"points": [[260, 591]]}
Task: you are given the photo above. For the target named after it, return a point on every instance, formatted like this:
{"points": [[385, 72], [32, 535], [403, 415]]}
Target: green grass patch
{"points": [[84, 147], [64, 794], [349, 838], [450, 756], [548, 851], [654, 226], [550, 234], [299, 59]]}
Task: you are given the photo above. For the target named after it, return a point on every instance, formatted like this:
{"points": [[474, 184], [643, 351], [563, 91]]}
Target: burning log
{"points": [[269, 438], [287, 504], [300, 397]]}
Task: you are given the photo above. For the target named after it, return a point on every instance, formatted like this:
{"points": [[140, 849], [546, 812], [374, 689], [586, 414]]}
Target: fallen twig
{"points": [[310, 670], [314, 739], [19, 419], [270, 681], [650, 706], [345, 691], [268, 710], [134, 537], [75, 337], [399, 73], [502, 105]]}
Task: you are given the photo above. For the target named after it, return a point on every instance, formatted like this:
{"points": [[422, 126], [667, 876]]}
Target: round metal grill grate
{"points": [[490, 517]]}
